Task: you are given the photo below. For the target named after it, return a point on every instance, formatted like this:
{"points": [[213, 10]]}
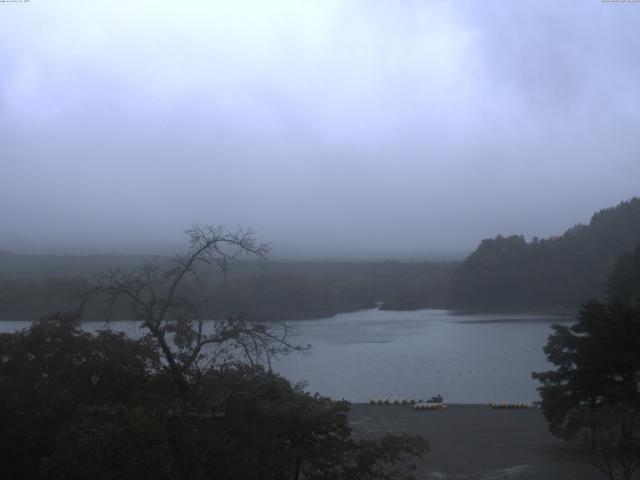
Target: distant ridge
{"points": [[509, 272]]}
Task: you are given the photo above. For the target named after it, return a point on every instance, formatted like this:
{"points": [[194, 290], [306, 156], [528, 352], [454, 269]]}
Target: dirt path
{"points": [[474, 442]]}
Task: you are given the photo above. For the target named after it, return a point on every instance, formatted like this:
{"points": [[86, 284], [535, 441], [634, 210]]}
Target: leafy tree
{"points": [[75, 405], [106, 442], [191, 400], [48, 370]]}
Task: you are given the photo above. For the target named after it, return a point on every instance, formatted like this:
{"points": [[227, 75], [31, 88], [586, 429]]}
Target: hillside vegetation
{"points": [[33, 285], [509, 272]]}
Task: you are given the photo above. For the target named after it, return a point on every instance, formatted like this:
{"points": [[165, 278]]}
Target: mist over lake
{"points": [[296, 240]]}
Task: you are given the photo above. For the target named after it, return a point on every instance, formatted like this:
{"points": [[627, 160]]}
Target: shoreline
{"points": [[475, 442], [544, 311]]}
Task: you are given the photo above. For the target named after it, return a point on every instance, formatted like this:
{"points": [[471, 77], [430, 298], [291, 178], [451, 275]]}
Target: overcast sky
{"points": [[395, 129]]}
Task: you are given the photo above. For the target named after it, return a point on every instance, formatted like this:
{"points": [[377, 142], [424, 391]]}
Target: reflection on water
{"points": [[467, 358]]}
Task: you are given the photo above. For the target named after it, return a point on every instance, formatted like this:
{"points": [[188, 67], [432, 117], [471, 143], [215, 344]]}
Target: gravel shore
{"points": [[475, 442]]}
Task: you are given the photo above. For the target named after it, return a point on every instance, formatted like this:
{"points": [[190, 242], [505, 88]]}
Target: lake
{"points": [[466, 358]]}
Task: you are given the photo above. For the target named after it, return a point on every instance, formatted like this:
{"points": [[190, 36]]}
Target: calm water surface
{"points": [[467, 358]]}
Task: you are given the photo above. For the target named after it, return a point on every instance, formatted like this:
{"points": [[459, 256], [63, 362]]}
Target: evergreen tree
{"points": [[624, 281], [592, 398]]}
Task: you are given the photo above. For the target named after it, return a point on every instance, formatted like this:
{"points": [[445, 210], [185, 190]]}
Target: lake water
{"points": [[466, 358], [474, 358]]}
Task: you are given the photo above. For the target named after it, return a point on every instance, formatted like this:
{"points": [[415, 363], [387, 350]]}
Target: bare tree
{"points": [[188, 343]]}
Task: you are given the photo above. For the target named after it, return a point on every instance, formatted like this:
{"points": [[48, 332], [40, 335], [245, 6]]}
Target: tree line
{"points": [[279, 290], [506, 272], [510, 272]]}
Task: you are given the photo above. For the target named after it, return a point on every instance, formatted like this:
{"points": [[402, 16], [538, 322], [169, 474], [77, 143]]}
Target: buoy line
{"points": [[504, 405]]}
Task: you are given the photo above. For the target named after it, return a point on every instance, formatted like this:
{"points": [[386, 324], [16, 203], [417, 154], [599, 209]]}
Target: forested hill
{"points": [[32, 286], [565, 271]]}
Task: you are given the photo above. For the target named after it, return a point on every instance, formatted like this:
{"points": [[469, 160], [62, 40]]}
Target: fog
{"points": [[335, 129]]}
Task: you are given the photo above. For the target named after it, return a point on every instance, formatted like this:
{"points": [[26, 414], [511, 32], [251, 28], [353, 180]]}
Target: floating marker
{"points": [[429, 406], [507, 405]]}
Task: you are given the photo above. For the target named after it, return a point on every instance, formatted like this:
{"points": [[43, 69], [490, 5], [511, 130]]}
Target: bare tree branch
{"points": [[175, 323]]}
